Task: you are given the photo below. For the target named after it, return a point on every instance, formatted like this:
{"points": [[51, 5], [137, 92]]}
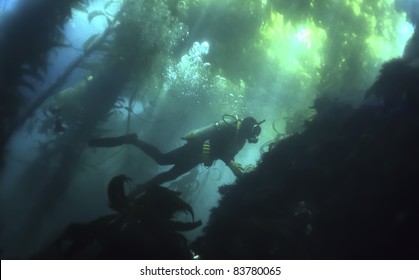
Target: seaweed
{"points": [[142, 228], [27, 36], [344, 188]]}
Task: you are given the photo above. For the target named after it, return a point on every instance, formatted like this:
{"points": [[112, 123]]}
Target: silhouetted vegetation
{"points": [[337, 186], [345, 188], [142, 229], [34, 28]]}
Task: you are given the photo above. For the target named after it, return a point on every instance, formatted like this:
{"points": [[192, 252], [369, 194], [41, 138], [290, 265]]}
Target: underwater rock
{"points": [[355, 170]]}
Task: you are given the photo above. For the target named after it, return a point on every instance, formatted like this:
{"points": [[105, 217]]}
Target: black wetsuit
{"points": [[224, 143]]}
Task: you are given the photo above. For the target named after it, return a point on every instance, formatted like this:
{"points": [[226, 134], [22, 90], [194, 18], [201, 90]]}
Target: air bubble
{"points": [[204, 48]]}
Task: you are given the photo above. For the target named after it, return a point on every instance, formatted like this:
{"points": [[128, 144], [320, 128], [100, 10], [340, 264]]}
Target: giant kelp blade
{"points": [[89, 42], [94, 14], [80, 7], [116, 193], [182, 226]]}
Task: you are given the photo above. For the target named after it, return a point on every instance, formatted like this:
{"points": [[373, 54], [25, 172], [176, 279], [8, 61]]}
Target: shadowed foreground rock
{"points": [[345, 188]]}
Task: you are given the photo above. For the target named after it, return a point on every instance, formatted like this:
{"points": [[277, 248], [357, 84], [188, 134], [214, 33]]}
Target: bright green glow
{"points": [[378, 33], [297, 48], [264, 2], [337, 48], [355, 5], [301, 51], [293, 45], [389, 38]]}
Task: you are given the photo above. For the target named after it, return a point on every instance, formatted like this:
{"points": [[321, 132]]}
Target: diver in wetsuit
{"points": [[220, 140]]}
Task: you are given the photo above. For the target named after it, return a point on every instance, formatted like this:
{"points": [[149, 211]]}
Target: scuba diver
{"points": [[220, 140]]}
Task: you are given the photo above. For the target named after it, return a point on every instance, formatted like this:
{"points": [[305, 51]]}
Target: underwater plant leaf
{"points": [[109, 114], [62, 45], [94, 14], [89, 41], [80, 7], [33, 73], [43, 67], [90, 66], [109, 3], [169, 201], [103, 48], [27, 85], [116, 193], [37, 76], [101, 131], [172, 192], [184, 226], [109, 21], [185, 207]]}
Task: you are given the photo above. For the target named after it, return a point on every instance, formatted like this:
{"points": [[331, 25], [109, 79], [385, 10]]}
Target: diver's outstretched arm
{"points": [[236, 168]]}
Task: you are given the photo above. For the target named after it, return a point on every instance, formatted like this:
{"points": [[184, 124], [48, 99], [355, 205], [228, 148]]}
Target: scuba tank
{"points": [[204, 133], [247, 128]]}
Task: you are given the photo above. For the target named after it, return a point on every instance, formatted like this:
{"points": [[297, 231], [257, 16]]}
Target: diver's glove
{"points": [[236, 168]]}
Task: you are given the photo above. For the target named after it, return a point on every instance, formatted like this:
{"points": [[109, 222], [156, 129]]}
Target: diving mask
{"points": [[255, 132]]}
